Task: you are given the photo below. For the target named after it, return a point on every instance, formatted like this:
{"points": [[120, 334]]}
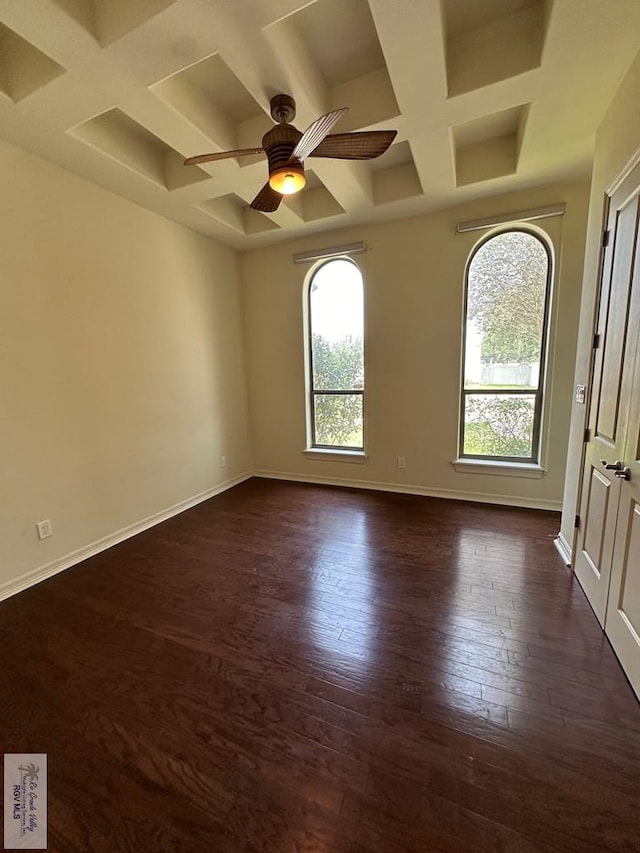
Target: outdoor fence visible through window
{"points": [[336, 356], [506, 319]]}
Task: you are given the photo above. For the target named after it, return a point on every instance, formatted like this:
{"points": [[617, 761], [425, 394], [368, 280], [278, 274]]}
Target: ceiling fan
{"points": [[287, 149]]}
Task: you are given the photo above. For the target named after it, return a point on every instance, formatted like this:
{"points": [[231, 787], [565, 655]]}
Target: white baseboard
{"points": [[564, 549], [33, 577], [477, 497]]}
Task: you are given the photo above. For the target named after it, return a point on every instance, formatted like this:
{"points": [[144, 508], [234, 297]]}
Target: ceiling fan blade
{"points": [[222, 155], [315, 133], [267, 200], [355, 146]]}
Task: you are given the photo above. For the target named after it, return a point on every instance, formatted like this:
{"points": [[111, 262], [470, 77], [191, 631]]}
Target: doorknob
{"points": [[625, 474], [612, 466]]}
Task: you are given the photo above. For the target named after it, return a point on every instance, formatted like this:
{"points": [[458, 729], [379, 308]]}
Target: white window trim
{"points": [[527, 470], [550, 235], [335, 454], [332, 455]]}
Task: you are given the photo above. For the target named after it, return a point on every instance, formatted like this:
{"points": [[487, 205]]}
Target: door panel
{"points": [[623, 611], [615, 323], [595, 520], [629, 596]]}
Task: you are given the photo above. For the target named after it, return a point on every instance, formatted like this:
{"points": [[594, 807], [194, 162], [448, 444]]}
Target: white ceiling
{"points": [[487, 96]]}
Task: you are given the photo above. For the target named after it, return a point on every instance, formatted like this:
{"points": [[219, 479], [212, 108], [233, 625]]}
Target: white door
{"points": [[610, 398], [622, 623]]}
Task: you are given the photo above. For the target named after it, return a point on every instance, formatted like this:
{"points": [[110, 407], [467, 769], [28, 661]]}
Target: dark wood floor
{"points": [[300, 668]]}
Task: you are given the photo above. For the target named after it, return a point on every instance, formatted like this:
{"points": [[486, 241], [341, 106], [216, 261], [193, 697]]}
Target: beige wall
{"points": [[617, 140], [414, 270], [122, 376]]}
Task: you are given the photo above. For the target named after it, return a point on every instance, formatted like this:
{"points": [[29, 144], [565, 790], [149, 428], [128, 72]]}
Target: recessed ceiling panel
{"points": [[488, 147], [314, 201], [395, 176], [398, 154], [23, 68], [256, 222], [319, 204], [226, 209], [108, 20], [492, 40], [370, 99], [341, 39], [467, 16], [121, 138], [213, 78], [212, 98], [234, 212]]}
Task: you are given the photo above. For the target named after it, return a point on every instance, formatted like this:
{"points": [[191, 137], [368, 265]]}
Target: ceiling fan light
{"points": [[287, 179]]}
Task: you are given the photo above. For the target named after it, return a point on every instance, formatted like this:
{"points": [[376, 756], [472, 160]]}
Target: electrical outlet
{"points": [[44, 529], [223, 461], [402, 462]]}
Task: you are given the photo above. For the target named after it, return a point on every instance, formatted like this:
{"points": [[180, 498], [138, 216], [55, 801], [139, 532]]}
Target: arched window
{"points": [[336, 356], [506, 318]]}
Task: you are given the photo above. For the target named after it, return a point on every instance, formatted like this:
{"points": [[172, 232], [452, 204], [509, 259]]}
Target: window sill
{"points": [[502, 469], [335, 455]]}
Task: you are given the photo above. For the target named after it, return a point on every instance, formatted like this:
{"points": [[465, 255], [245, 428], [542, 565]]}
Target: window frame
{"points": [[313, 447], [540, 393]]}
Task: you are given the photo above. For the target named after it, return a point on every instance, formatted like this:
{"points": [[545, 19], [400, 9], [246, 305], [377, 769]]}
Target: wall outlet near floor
{"points": [[44, 529], [223, 461], [402, 462]]}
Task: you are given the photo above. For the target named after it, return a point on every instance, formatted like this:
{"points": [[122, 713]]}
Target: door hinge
{"points": [[576, 523], [587, 434], [605, 238], [596, 340]]}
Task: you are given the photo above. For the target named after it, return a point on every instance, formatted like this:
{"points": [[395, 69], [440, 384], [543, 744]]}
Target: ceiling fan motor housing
{"points": [[279, 143]]}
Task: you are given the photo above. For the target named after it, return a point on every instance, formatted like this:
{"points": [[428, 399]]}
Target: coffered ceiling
{"points": [[487, 96]]}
